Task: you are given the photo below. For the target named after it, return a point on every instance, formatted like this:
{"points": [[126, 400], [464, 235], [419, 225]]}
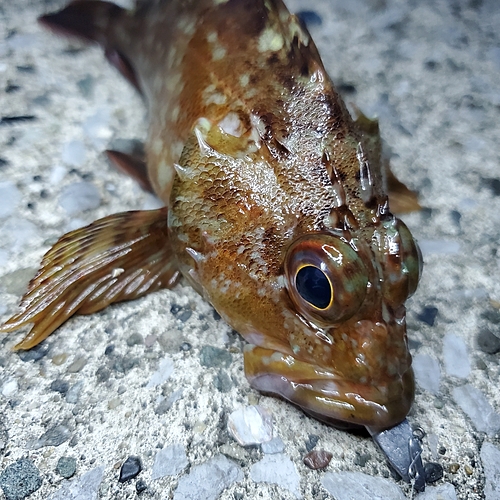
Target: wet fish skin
{"points": [[278, 211]]}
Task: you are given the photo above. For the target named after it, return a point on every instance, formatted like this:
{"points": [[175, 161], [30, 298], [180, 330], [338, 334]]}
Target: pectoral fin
{"points": [[120, 257], [401, 199], [133, 166]]}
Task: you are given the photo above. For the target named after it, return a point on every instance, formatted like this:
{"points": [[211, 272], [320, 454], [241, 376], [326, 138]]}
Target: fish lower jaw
{"points": [[338, 402]]}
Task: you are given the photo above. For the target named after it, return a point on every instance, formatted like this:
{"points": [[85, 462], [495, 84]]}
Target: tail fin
{"points": [[93, 21]]}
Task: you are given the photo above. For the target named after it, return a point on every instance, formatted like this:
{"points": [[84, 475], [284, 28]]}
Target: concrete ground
{"points": [[430, 70]]}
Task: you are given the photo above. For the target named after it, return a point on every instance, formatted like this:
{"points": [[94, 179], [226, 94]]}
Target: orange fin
{"points": [[131, 165], [94, 21], [119, 257], [401, 199]]}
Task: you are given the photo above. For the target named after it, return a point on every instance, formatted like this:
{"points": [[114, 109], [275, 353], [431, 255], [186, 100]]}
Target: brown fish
{"points": [[276, 206]]}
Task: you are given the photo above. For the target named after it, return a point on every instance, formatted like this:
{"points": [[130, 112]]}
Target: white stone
{"points": [[277, 469], [78, 197], [439, 247], [251, 425], [74, 153], [276, 445], [17, 233], [427, 372], [490, 458], [164, 372], [169, 461], [97, 128], [359, 486], [57, 174], [455, 356], [85, 487], [444, 491], [9, 388], [208, 480], [474, 403], [10, 197]]}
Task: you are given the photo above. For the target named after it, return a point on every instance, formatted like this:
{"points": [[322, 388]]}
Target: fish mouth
{"points": [[327, 397]]}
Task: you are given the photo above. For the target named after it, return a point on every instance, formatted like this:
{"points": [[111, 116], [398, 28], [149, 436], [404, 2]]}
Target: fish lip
{"points": [[334, 406]]}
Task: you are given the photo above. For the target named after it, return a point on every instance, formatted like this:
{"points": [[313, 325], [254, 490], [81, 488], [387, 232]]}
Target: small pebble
{"points": [[78, 363], [317, 459], [109, 350], [164, 372], [114, 403], [232, 450], [150, 340], [17, 281], [222, 382], [73, 394], [478, 408], [82, 488], [427, 372], [428, 315], [361, 459], [251, 425], [490, 458], [140, 486], [277, 469], [102, 374], [359, 486], [66, 467], [79, 197], [169, 461], [123, 364], [35, 353], [309, 18], [213, 356], [455, 356], [86, 86], [9, 388], [59, 359], [468, 470], [166, 404], [276, 445], [209, 479], [10, 196], [312, 441], [487, 341], [20, 479], [433, 472], [130, 469], [453, 468], [445, 491], [135, 339], [186, 346], [60, 386], [54, 436]]}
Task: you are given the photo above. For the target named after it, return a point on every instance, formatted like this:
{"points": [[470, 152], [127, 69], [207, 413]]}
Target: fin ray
{"points": [[119, 257]]}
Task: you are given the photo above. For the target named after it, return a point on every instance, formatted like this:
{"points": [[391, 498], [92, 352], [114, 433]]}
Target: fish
{"points": [[277, 206]]}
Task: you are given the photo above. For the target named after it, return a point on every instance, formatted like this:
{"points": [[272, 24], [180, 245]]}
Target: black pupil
{"points": [[313, 286]]}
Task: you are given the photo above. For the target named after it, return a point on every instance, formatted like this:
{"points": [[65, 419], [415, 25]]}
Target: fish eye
{"points": [[325, 277], [314, 286]]}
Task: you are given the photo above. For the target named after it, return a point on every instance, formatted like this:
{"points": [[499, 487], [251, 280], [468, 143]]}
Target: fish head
{"points": [[350, 360], [321, 304]]}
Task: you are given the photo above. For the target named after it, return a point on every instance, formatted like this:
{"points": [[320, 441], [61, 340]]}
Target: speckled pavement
{"points": [[430, 70]]}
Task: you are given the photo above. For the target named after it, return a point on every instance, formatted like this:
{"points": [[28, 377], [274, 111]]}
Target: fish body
{"points": [[277, 209]]}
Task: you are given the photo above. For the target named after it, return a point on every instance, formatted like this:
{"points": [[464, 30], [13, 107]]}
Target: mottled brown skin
{"points": [[253, 150]]}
